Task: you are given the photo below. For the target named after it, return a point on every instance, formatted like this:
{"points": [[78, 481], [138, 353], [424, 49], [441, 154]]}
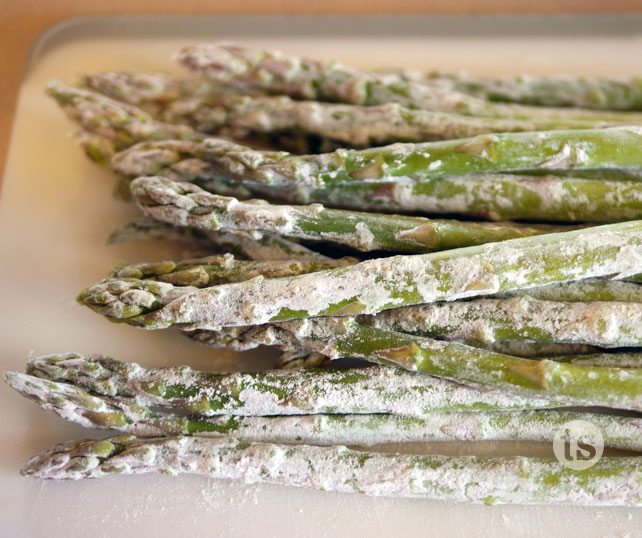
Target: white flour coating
{"points": [[499, 480], [605, 324]]}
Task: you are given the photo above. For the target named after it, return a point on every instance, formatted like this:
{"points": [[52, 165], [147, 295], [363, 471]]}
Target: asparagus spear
{"points": [[589, 290], [604, 324], [99, 149], [208, 108], [374, 285], [251, 245], [185, 204], [537, 350], [238, 338], [343, 337], [330, 81], [352, 125], [518, 480], [245, 338], [606, 360], [122, 124], [212, 270], [549, 90], [280, 392], [490, 196], [76, 405], [251, 337], [616, 147], [152, 92]]}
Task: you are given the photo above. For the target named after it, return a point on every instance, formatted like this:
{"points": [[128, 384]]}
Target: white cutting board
{"points": [[57, 210]]}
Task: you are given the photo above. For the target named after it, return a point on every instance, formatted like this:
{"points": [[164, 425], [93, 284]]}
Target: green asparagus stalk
{"points": [[238, 338], [374, 285], [251, 337], [604, 324], [185, 204], [207, 109], [616, 147], [260, 246], [152, 92], [99, 149], [343, 337], [213, 270], [489, 196], [605, 360], [516, 480], [242, 67], [549, 90], [589, 290], [279, 392], [537, 350], [76, 405], [245, 338], [122, 124], [352, 125]]}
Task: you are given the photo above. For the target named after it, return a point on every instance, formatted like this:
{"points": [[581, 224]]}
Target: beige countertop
{"points": [[22, 21]]}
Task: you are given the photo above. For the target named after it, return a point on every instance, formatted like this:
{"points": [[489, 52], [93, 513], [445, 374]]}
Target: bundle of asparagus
{"points": [[480, 330]]}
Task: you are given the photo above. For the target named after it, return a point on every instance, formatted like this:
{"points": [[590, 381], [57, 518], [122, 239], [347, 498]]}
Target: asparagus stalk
{"points": [[280, 392], [536, 350], [352, 125], [245, 338], [550, 90], [517, 480], [239, 338], [152, 92], [489, 196], [99, 149], [260, 246], [606, 360], [616, 147], [343, 337], [122, 124], [330, 81], [251, 337], [212, 270], [76, 405], [374, 285], [207, 109], [589, 290], [604, 324], [185, 204]]}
